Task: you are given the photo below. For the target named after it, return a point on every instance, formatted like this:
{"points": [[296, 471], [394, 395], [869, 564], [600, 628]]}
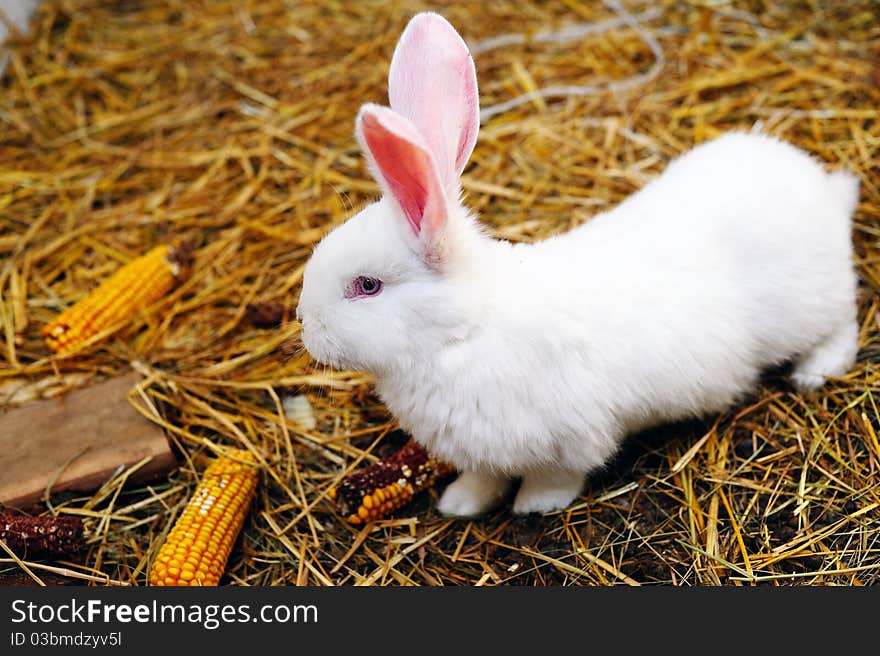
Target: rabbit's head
{"points": [[380, 288]]}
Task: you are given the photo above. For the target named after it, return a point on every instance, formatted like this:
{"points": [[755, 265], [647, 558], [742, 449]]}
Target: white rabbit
{"points": [[536, 360]]}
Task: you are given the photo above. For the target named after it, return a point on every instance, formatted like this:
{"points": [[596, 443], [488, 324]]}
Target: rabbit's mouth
{"points": [[312, 344], [320, 344]]}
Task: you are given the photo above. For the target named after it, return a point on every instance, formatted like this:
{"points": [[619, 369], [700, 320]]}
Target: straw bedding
{"points": [[229, 125]]}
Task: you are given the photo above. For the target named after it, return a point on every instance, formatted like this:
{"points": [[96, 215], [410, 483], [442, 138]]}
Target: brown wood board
{"points": [[77, 442]]}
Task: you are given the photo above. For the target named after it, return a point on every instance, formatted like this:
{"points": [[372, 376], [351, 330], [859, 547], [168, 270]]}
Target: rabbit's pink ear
{"points": [[433, 83], [404, 166]]}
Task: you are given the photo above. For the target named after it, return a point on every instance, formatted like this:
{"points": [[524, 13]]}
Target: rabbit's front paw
{"points": [[545, 491], [472, 493]]}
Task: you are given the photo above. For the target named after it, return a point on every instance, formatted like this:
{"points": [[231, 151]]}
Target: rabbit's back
{"points": [[736, 258]]}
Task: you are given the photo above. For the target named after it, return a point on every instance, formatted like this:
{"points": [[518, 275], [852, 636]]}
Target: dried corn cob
{"points": [[29, 537], [388, 484], [136, 285], [196, 550]]}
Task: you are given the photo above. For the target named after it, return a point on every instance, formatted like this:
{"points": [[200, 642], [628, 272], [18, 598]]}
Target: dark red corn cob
{"points": [[41, 536], [383, 487]]}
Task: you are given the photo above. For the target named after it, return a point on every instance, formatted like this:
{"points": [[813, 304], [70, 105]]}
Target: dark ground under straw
{"points": [[229, 125]]}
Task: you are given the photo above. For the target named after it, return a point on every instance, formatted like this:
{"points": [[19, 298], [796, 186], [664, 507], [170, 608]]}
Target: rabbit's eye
{"points": [[366, 286]]}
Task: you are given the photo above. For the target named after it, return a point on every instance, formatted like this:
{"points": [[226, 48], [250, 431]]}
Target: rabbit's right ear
{"points": [[433, 83], [404, 166]]}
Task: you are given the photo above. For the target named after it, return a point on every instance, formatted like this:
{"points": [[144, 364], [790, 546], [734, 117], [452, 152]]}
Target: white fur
{"points": [[537, 360]]}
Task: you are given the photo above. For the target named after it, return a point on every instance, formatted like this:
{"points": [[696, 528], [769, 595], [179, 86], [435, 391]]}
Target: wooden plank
{"points": [[79, 441]]}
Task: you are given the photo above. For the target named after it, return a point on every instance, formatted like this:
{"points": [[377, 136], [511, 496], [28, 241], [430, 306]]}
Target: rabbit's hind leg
{"points": [[832, 357]]}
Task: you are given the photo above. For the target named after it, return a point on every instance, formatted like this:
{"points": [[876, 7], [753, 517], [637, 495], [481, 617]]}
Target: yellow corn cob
{"points": [[385, 486], [136, 285], [198, 546]]}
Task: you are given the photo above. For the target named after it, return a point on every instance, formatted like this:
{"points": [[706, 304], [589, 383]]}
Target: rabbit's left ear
{"points": [[433, 83], [404, 166]]}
